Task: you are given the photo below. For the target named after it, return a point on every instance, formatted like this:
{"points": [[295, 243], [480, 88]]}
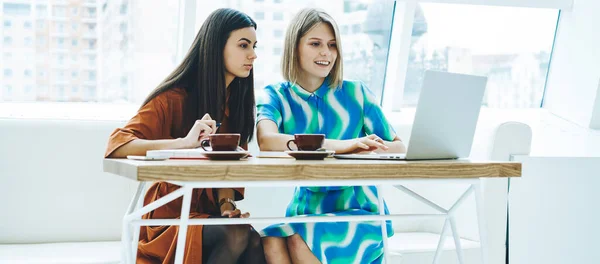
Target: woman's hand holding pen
{"points": [[200, 130]]}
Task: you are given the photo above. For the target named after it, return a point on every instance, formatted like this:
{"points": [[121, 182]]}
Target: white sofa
{"points": [[59, 207]]}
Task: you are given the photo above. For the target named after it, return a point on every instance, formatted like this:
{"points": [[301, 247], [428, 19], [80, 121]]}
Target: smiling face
{"points": [[239, 53], [318, 51]]}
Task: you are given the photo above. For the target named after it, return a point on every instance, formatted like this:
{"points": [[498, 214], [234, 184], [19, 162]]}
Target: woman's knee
{"points": [[254, 240], [275, 249], [296, 243], [238, 236]]}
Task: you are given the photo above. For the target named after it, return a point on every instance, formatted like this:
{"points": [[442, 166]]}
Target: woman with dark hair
{"points": [[214, 83]]}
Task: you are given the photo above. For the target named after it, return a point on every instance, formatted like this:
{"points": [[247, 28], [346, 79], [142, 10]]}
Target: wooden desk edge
{"points": [[147, 171]]}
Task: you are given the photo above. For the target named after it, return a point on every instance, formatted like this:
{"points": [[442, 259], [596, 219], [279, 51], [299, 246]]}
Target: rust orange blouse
{"points": [[160, 119]]}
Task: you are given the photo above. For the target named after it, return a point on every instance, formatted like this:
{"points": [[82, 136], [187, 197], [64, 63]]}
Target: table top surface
{"points": [[278, 169]]}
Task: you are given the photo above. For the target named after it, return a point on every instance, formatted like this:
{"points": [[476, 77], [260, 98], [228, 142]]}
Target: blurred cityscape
{"points": [[118, 50]]}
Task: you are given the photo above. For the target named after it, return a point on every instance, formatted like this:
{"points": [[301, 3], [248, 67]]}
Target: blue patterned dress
{"points": [[346, 112]]}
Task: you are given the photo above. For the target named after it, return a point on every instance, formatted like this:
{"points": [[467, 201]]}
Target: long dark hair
{"points": [[202, 75]]}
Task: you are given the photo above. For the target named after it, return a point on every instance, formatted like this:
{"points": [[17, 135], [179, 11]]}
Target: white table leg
{"points": [[183, 226], [136, 228], [440, 247], [481, 219], [126, 238], [458, 247], [126, 248], [386, 251]]}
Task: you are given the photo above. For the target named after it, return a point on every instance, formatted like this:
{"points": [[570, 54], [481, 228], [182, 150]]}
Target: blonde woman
{"points": [[315, 99]]}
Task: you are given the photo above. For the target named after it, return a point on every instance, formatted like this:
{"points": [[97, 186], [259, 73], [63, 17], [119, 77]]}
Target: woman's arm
{"points": [[269, 139], [140, 146], [202, 127]]}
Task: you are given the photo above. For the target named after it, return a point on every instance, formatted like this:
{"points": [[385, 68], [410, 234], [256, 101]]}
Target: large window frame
{"points": [[400, 37], [401, 33]]}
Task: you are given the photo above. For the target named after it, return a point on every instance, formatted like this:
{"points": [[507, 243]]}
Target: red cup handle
{"points": [[288, 144], [202, 143]]}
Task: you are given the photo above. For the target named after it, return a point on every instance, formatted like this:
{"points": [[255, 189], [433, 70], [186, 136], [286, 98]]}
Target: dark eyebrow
{"points": [[246, 40]]}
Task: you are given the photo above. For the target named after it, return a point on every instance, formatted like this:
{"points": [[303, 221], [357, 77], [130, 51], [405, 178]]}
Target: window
{"points": [[361, 62], [27, 24], [92, 76], [7, 41], [74, 11], [75, 89], [259, 15], [27, 73], [8, 73], [41, 41], [28, 89], [40, 24], [354, 6], [60, 43], [7, 90], [91, 92], [41, 10], [60, 59], [60, 92], [27, 41], [91, 12], [59, 11], [60, 27], [92, 44], [60, 76], [17, 9], [513, 53], [92, 60], [74, 26], [344, 29], [277, 1], [7, 24], [356, 28], [123, 9], [74, 74]]}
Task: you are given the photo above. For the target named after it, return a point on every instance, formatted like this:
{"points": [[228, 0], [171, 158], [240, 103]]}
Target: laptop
{"points": [[445, 119]]}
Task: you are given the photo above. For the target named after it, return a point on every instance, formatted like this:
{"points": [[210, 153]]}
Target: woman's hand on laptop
{"points": [[358, 145]]}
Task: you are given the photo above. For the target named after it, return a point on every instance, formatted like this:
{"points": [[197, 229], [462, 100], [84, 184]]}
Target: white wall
{"points": [[53, 187], [595, 122], [553, 211], [574, 75]]}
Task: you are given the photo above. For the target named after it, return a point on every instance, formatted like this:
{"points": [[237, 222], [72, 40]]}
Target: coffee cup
{"points": [[307, 142], [221, 142]]}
